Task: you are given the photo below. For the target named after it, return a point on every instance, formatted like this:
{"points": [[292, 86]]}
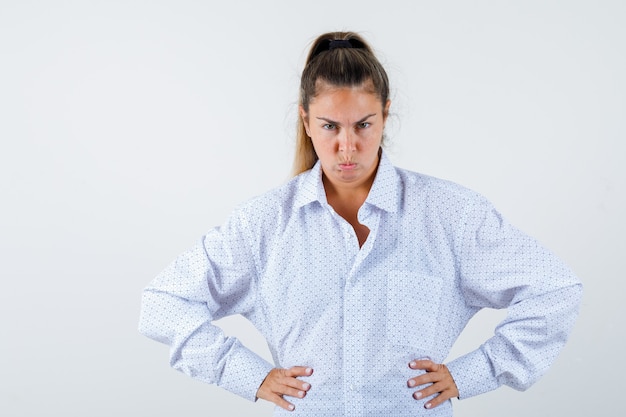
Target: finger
{"points": [[443, 387], [299, 371], [427, 378], [424, 364], [281, 402], [435, 402], [291, 392], [276, 384], [290, 379], [438, 372], [296, 384], [438, 400], [433, 389], [291, 382]]}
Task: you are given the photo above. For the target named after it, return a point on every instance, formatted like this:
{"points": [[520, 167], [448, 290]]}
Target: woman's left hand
{"points": [[439, 378]]}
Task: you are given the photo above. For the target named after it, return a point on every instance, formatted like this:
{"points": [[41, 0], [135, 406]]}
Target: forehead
{"points": [[322, 86], [335, 98]]}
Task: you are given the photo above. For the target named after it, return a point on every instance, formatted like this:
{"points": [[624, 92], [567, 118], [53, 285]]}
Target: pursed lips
{"points": [[347, 165]]}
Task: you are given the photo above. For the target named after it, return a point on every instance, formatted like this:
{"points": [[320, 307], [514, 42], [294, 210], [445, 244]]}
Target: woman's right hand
{"points": [[280, 382]]}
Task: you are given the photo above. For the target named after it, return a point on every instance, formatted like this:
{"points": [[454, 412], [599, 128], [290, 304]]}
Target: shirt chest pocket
{"points": [[413, 303]]}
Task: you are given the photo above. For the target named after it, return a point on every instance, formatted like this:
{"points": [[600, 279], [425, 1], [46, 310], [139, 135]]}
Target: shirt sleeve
{"points": [[215, 278], [501, 267]]}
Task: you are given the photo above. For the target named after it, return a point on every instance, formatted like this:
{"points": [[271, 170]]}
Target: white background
{"points": [[129, 128]]}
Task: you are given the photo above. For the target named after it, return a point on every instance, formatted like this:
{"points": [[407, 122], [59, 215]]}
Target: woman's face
{"points": [[346, 127]]}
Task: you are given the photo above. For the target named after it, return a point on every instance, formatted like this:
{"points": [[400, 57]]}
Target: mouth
{"points": [[347, 166]]}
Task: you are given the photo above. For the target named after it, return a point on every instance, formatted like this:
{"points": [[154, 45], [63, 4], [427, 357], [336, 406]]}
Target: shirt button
{"points": [[351, 387]]}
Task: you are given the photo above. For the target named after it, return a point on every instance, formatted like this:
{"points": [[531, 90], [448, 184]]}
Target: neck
{"points": [[348, 198], [347, 194]]}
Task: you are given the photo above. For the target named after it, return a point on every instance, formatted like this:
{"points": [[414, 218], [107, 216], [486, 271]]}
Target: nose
{"points": [[347, 141]]}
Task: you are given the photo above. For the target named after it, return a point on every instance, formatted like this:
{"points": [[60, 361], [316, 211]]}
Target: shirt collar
{"points": [[384, 193]]}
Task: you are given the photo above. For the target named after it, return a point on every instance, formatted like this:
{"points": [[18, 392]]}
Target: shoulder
{"points": [[273, 202], [437, 190]]}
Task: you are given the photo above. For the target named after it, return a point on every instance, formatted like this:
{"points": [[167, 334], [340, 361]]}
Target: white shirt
{"points": [[436, 254]]}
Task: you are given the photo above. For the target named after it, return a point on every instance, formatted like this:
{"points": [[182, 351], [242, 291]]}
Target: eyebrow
{"points": [[337, 123]]}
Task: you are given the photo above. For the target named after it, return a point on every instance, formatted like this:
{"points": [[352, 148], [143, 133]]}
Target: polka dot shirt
{"points": [[436, 254]]}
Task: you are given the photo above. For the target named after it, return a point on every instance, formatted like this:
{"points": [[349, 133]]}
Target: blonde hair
{"points": [[338, 64]]}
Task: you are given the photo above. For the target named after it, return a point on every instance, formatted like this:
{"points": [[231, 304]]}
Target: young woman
{"points": [[359, 274]]}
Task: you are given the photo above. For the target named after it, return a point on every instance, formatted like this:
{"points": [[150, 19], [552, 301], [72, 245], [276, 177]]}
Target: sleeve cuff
{"points": [[473, 374], [244, 372]]}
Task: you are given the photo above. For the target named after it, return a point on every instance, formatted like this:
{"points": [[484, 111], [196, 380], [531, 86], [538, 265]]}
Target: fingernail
{"points": [[417, 395], [300, 394], [291, 407], [428, 405], [306, 386], [411, 383], [309, 371], [413, 364]]}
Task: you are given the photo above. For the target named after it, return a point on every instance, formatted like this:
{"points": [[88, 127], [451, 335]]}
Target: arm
{"points": [[500, 267], [215, 278]]}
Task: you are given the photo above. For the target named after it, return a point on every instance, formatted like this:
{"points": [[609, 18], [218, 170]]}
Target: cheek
{"points": [[323, 145], [372, 138], [326, 149]]}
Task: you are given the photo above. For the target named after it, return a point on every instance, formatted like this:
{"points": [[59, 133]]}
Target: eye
{"points": [[363, 125], [329, 126]]}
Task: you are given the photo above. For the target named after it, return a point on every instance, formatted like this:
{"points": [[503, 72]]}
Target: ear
{"points": [[386, 110], [305, 119]]}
